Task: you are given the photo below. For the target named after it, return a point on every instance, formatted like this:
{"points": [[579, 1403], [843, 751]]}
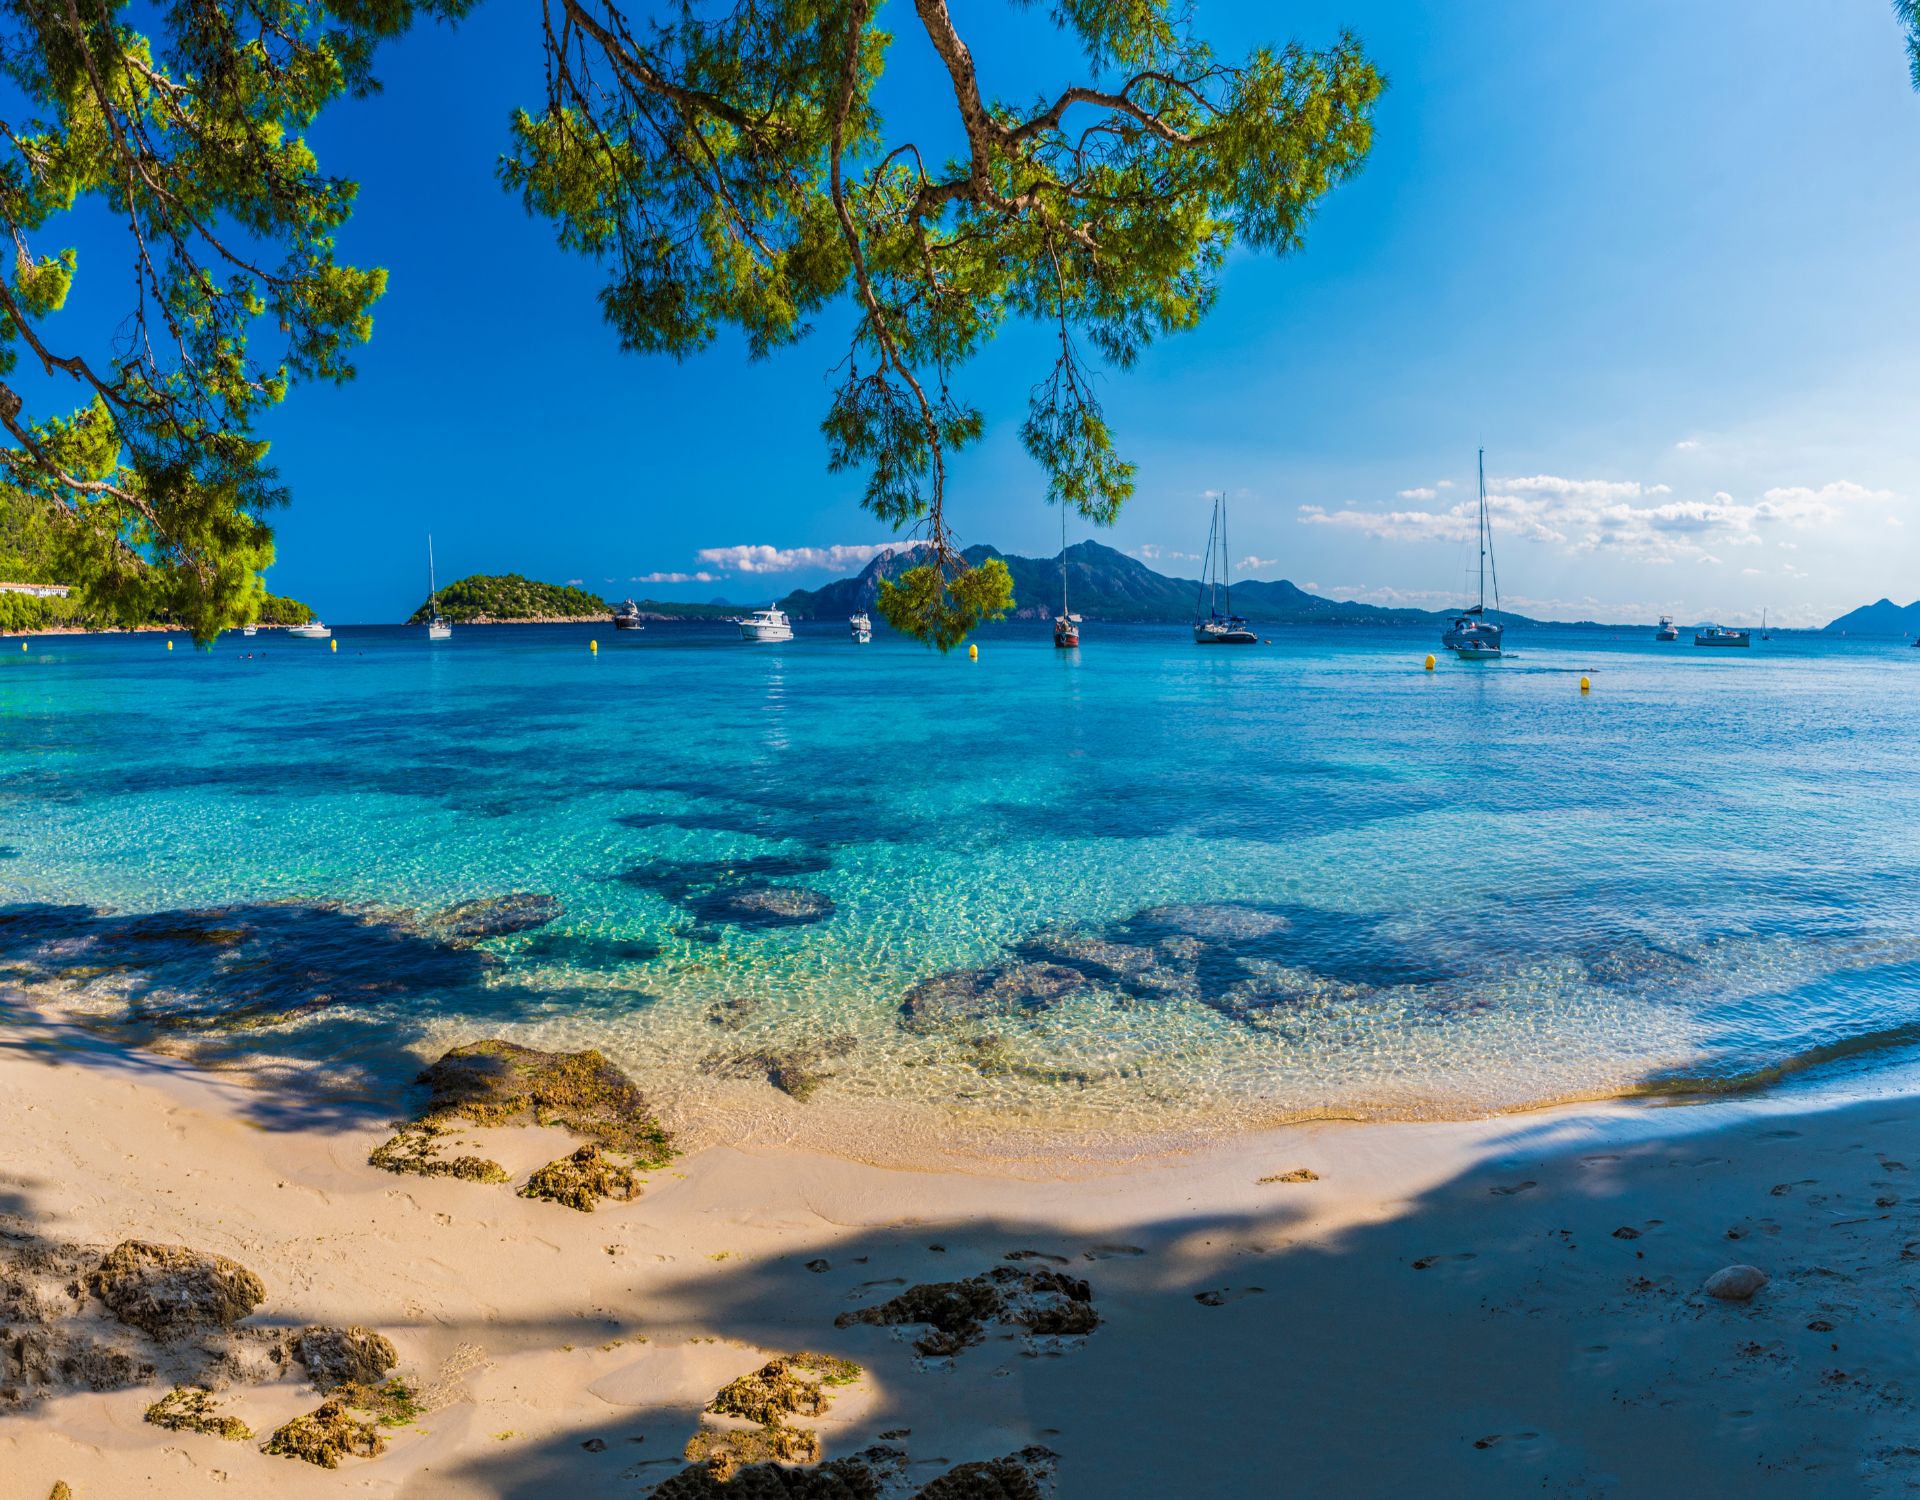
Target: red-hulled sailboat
{"points": [[1066, 624]]}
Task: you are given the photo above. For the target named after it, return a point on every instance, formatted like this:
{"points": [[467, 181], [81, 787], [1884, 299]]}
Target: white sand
{"points": [[1535, 1353]]}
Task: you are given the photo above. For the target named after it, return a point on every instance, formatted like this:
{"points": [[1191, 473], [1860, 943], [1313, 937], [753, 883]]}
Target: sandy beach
{"points": [[1500, 1307]]}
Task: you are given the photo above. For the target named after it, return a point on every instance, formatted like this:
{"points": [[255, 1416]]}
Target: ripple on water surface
{"points": [[1140, 887]]}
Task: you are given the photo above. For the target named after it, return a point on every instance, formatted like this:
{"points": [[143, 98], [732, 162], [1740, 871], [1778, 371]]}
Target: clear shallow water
{"points": [[1138, 887]]}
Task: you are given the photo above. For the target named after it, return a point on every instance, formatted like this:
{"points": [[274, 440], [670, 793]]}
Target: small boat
{"points": [[1219, 626], [1066, 624], [1721, 635], [769, 624], [627, 617], [1668, 631], [313, 630], [1472, 636], [1765, 634], [250, 630], [861, 628], [439, 628]]}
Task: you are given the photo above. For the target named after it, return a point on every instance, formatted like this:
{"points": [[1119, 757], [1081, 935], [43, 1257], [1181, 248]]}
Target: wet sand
{"points": [[1503, 1307]]}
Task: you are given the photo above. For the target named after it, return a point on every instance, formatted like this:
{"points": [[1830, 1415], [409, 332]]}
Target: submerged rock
{"points": [[1210, 921], [170, 1291], [957, 1313], [502, 1083], [1735, 1283], [497, 916], [326, 1435], [335, 1357], [792, 1385], [764, 906], [795, 1071], [582, 1180], [1005, 991], [189, 1409]]}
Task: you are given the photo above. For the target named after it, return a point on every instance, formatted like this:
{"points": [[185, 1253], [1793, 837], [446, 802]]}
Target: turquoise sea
{"points": [[1101, 894]]}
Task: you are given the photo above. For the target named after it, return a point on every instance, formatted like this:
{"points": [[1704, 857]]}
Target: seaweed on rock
{"points": [[726, 1450], [1043, 1303], [190, 1409], [792, 1385], [1026, 1475], [326, 1435], [496, 1083], [582, 1180], [862, 1476]]}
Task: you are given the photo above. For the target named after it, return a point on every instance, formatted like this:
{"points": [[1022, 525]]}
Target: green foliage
{"points": [[728, 166], [1907, 12], [508, 596], [940, 608], [191, 134]]}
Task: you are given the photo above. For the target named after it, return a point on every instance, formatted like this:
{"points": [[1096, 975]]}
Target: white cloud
{"points": [[1749, 572], [1154, 552], [1446, 484], [1421, 493], [840, 558], [1250, 562], [1619, 516], [575, 583], [1687, 443], [701, 577]]}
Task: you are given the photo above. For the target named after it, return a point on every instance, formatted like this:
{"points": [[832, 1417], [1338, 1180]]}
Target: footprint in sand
{"points": [[1781, 1189], [1425, 1261], [1504, 1437], [1221, 1296], [1058, 1260], [1108, 1252], [1518, 1187], [1594, 1161]]}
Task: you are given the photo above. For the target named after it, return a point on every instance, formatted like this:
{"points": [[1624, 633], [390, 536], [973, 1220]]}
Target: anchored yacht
{"points": [[769, 624], [861, 628], [1473, 637]]}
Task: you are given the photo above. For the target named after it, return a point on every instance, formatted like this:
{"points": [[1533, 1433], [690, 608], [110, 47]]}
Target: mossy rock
{"points": [[61, 1491], [726, 1450], [326, 1435], [1044, 1303], [414, 1150], [170, 1290], [344, 1356], [582, 1180], [792, 1385], [502, 1083], [1018, 1476], [498, 916], [863, 1476], [187, 1408]]}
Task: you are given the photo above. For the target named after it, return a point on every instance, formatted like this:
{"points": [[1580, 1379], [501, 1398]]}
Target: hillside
{"points": [[1105, 584], [507, 598], [1882, 617], [497, 598]]}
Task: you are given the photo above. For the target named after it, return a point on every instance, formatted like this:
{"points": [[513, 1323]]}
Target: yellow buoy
{"points": [[1585, 685], [169, 645], [1429, 661], [23, 645], [594, 647], [973, 653], [333, 645]]}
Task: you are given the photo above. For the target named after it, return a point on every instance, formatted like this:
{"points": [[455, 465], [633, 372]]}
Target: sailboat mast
{"points": [[433, 588], [1483, 531], [1063, 559], [1226, 573]]}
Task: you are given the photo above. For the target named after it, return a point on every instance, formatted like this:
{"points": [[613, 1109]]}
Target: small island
{"points": [[509, 599]]}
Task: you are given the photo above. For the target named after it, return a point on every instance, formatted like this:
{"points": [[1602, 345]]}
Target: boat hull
{"points": [[1723, 640], [439, 632], [620, 622], [1209, 633], [767, 632]]}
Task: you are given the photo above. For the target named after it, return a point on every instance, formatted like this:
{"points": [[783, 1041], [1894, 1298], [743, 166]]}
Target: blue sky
{"points": [[1658, 259]]}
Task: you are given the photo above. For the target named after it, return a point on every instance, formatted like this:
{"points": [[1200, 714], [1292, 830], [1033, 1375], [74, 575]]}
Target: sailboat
{"points": [[439, 628], [1765, 634], [1473, 637], [1066, 624], [1219, 626]]}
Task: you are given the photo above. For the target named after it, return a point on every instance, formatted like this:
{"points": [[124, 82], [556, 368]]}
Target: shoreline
{"points": [[1492, 1307]]}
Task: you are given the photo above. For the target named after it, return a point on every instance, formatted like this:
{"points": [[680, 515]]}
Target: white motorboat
{"points": [[1472, 636], [627, 617], [1722, 635], [861, 626], [1668, 631], [439, 627], [313, 630], [250, 630], [769, 624]]}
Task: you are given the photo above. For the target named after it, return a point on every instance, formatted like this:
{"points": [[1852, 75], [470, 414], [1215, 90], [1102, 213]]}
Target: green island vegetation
{"points": [[507, 598]]}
